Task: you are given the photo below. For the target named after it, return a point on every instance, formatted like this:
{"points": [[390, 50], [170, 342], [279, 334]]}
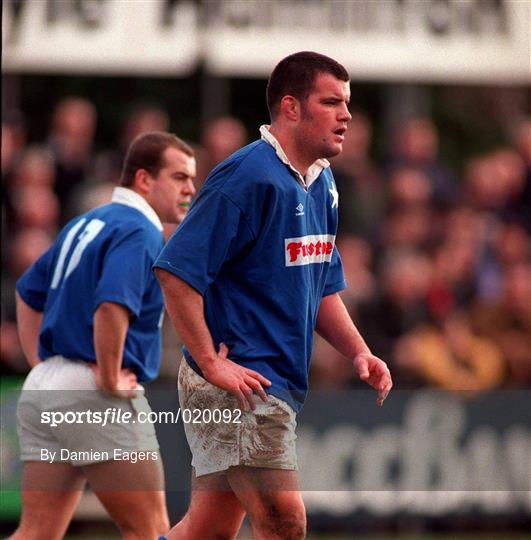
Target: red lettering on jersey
{"points": [[294, 249]]}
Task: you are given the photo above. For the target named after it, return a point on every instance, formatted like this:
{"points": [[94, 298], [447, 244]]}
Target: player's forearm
{"points": [[111, 322], [335, 325], [28, 326], [186, 309]]}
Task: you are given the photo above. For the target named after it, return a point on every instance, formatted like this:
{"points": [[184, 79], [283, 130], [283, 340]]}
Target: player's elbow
{"points": [[165, 278], [172, 285], [112, 311]]}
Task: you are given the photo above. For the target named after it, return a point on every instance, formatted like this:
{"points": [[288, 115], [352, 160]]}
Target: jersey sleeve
{"points": [[213, 233], [125, 271], [335, 278], [33, 285]]}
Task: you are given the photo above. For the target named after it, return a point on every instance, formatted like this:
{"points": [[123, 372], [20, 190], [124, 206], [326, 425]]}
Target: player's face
{"points": [[173, 188], [324, 117]]}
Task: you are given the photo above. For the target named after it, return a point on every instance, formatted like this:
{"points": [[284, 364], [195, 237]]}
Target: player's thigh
{"points": [[215, 511], [268, 494], [50, 494], [132, 493]]}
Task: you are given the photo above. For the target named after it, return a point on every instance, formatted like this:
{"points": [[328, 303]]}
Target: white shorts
{"points": [[264, 437], [61, 415]]}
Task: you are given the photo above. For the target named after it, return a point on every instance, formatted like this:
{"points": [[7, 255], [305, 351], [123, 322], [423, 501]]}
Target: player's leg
{"points": [[50, 487], [50, 493], [272, 500], [133, 494], [262, 440], [215, 513]]}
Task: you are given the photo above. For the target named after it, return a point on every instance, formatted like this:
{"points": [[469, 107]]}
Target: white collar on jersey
{"points": [[314, 170], [122, 195]]}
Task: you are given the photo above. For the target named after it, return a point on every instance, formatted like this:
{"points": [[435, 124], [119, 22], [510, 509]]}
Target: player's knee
{"points": [[288, 527], [163, 523], [281, 521]]}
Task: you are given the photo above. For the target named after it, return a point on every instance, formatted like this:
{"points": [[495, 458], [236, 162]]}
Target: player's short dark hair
{"points": [[145, 152], [295, 76]]}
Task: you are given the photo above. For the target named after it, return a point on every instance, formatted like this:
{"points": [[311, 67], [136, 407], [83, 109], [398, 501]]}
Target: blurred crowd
{"points": [[437, 260]]}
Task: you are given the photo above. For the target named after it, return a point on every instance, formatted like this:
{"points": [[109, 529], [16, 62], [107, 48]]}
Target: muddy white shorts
{"points": [[224, 437]]}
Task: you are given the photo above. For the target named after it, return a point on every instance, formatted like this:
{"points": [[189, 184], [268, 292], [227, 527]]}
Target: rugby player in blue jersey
{"points": [[248, 276], [89, 313]]}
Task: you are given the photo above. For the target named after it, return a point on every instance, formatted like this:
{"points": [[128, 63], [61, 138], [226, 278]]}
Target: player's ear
{"points": [[290, 108], [143, 181]]}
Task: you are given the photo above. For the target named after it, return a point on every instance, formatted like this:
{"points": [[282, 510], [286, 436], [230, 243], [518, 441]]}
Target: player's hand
{"points": [[240, 381], [375, 372], [124, 387]]}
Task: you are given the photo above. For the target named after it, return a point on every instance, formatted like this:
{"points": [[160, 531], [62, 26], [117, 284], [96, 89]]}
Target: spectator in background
{"points": [[408, 228], [416, 146], [220, 138], [8, 153], [522, 144], [496, 183], [71, 140], [36, 207], [451, 358], [521, 140], [409, 222], [409, 188], [507, 245], [29, 208], [511, 170], [483, 190], [11, 358], [507, 321], [25, 247], [32, 216], [140, 119], [356, 254], [34, 174], [400, 304], [35, 167], [455, 262], [13, 139], [358, 180]]}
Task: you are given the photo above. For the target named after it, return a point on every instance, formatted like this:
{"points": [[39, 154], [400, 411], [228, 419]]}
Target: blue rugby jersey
{"points": [[104, 255], [260, 248]]}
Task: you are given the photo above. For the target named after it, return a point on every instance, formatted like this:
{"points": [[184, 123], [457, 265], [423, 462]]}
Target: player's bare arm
{"points": [[185, 307], [28, 326], [111, 322], [335, 325]]}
